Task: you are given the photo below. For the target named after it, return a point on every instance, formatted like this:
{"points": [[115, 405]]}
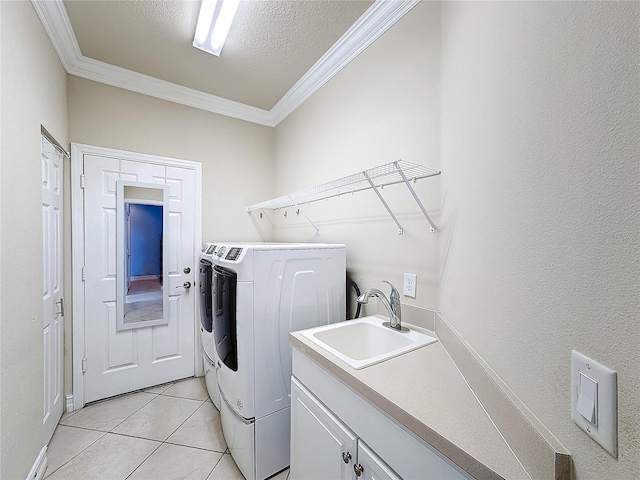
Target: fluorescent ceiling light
{"points": [[213, 26]]}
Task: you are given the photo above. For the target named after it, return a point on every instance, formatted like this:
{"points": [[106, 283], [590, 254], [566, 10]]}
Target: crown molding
{"points": [[121, 77], [377, 19], [56, 23]]}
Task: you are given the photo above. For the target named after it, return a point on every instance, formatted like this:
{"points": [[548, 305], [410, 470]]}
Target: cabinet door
{"points": [[319, 441], [371, 467]]}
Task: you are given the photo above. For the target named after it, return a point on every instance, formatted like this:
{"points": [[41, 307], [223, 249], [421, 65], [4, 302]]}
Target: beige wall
{"points": [[383, 107], [531, 112], [236, 156], [33, 94], [540, 240]]}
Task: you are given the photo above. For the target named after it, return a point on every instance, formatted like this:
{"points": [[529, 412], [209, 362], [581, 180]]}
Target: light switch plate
{"points": [[605, 431], [409, 285]]}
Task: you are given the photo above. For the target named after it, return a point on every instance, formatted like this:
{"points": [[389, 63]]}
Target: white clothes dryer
{"points": [[209, 356], [261, 292]]}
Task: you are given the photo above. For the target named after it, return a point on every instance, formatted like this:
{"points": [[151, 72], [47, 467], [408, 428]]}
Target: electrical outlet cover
{"points": [[409, 285]]}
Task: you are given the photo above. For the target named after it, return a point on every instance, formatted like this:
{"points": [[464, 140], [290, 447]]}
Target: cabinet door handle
{"points": [[358, 469], [346, 457]]}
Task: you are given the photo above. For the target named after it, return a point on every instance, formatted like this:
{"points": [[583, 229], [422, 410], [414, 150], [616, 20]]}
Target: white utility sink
{"points": [[365, 341]]}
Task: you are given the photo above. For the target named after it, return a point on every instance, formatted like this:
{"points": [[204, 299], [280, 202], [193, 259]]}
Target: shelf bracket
{"points": [[432, 227], [256, 224], [304, 215], [375, 189]]}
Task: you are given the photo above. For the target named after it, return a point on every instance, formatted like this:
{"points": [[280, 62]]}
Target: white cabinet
{"points": [[371, 466], [321, 441], [323, 447], [328, 418]]}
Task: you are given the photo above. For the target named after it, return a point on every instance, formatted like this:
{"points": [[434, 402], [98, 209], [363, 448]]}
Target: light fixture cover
{"points": [[213, 25]]}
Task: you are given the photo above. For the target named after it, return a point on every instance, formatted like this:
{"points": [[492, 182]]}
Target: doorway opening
{"points": [[144, 229]]}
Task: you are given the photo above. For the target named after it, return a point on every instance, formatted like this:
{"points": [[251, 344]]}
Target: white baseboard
{"points": [[69, 404], [39, 466]]}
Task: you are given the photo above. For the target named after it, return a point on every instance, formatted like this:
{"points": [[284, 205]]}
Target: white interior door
{"points": [[52, 165], [122, 361]]}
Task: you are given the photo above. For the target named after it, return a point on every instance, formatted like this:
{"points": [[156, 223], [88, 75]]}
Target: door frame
{"points": [[78, 151]]}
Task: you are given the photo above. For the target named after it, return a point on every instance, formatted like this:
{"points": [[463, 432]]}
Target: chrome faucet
{"points": [[392, 305]]}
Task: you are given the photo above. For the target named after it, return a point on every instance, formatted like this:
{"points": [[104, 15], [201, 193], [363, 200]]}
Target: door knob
{"points": [[358, 470], [185, 285], [346, 457], [186, 270]]}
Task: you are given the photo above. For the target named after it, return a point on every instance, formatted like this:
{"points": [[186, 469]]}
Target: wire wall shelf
{"points": [[372, 179]]}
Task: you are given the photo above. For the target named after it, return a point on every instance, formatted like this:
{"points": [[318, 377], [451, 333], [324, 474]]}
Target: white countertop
{"points": [[425, 392]]}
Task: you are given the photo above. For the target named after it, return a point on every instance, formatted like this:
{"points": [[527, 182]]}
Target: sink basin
{"points": [[365, 341]]}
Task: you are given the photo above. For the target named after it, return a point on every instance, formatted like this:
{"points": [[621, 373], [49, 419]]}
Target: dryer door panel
{"points": [[224, 316], [238, 385], [206, 278]]}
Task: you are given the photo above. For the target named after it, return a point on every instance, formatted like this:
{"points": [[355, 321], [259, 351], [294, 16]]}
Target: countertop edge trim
{"points": [[508, 413]]}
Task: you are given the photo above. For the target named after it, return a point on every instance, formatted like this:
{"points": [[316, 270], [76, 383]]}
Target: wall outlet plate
{"points": [[605, 429], [409, 285]]}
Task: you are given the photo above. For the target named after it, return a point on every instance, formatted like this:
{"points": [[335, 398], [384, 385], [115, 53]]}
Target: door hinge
{"points": [[82, 181], [84, 365], [84, 274]]}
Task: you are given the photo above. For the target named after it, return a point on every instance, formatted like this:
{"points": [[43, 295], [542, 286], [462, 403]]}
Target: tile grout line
{"points": [[145, 459], [104, 433], [214, 467], [185, 420], [222, 453], [156, 395], [160, 443], [81, 451], [174, 431]]}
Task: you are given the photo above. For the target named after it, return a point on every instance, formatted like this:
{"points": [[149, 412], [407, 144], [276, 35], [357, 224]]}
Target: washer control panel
{"points": [[208, 248], [229, 253], [233, 254]]}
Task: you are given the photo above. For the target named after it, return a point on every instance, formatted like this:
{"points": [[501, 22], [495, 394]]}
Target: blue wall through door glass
{"points": [[146, 240]]}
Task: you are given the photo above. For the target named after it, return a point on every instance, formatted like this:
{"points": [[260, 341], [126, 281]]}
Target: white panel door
{"points": [[127, 360], [52, 165]]}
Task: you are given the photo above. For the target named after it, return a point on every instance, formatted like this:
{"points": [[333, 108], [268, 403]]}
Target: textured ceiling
{"points": [[272, 43]]}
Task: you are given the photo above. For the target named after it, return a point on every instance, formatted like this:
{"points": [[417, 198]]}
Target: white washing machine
{"points": [[261, 292], [209, 356]]}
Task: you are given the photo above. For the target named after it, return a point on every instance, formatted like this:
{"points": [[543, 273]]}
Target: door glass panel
{"points": [[141, 255]]}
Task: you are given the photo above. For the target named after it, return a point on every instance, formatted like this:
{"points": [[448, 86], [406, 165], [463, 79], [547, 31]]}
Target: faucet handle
{"points": [[394, 304], [395, 295]]}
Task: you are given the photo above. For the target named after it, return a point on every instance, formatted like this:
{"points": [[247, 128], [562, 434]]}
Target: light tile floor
{"points": [[167, 432]]}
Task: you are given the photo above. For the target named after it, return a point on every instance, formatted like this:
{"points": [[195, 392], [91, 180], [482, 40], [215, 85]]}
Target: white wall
{"points": [[33, 94], [383, 107], [531, 112], [540, 129]]}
